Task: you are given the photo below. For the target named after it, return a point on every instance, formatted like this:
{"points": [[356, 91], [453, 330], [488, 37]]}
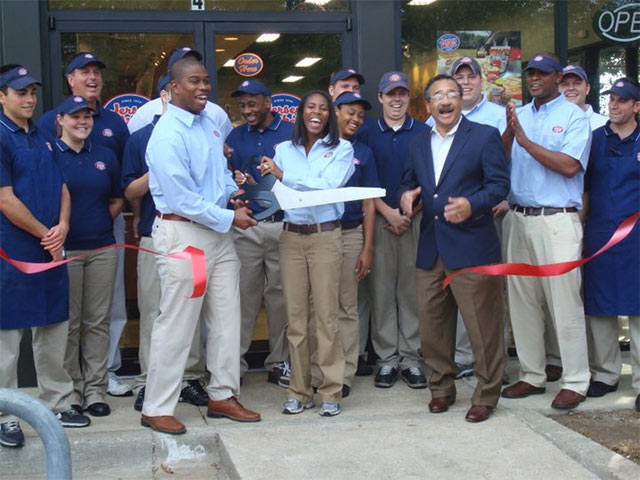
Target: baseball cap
{"points": [[17, 78], [166, 78], [72, 104], [468, 62], [391, 80], [251, 87], [576, 70], [544, 63], [181, 52], [346, 73], [347, 98], [624, 89], [83, 59]]}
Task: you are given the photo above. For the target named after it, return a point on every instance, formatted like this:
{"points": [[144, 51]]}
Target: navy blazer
{"points": [[475, 168]]}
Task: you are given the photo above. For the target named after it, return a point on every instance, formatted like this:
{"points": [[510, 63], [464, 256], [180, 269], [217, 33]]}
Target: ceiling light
{"points": [[419, 3], [318, 2], [219, 50], [229, 63], [308, 61], [231, 39], [291, 79], [268, 37]]}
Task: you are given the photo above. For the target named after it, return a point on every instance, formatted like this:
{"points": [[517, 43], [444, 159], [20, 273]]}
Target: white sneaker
{"points": [[293, 406], [117, 388]]}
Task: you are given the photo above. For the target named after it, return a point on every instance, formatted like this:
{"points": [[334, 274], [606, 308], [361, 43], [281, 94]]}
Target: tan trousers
{"points": [[605, 360], [90, 295], [479, 298], [149, 307], [540, 240], [55, 387], [259, 251], [394, 322], [310, 266], [174, 328]]}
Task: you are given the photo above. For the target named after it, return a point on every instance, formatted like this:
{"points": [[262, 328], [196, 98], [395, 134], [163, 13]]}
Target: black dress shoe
{"points": [[386, 376], [194, 394], [638, 403], [77, 408], [364, 369], [553, 372], [346, 390], [414, 377], [139, 403], [600, 389], [98, 409]]}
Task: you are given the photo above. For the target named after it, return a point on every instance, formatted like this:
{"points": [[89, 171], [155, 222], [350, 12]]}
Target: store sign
{"points": [[448, 42], [248, 64], [126, 105], [618, 21], [286, 105]]}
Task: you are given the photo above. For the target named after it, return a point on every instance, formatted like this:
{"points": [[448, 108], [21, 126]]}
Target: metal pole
{"points": [[43, 421]]}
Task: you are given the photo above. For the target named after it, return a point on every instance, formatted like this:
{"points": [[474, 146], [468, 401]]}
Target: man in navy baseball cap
{"points": [[182, 52], [392, 80], [544, 62], [162, 82], [251, 87], [345, 80], [575, 87], [625, 89], [83, 59]]}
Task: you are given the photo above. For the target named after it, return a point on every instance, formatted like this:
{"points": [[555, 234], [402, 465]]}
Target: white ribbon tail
{"points": [[288, 198]]}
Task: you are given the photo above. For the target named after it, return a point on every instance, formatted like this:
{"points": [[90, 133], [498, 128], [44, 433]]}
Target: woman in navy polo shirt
{"points": [[92, 175], [311, 250]]}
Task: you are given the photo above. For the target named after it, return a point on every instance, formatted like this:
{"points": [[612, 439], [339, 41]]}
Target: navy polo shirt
{"points": [[109, 130], [391, 150], [92, 177], [247, 141], [366, 175], [134, 166]]}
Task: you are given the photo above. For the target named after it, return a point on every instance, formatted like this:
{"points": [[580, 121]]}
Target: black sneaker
{"points": [[386, 376], [280, 374], [414, 377], [11, 434], [138, 404], [600, 389], [73, 419], [346, 390], [364, 369], [194, 394]]}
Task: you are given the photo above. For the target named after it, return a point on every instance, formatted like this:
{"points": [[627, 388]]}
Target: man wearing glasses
{"points": [[460, 173]]}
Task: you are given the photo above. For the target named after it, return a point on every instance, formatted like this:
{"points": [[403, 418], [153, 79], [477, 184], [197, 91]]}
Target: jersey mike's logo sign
{"points": [[126, 105], [248, 64], [618, 21], [448, 42], [285, 105]]}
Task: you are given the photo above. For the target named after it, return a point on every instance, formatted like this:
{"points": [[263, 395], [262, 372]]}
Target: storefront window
{"points": [[501, 35], [220, 5], [290, 64]]}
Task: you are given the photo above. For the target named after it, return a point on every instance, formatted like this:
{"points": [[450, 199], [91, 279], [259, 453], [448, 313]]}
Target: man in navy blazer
{"points": [[459, 171]]}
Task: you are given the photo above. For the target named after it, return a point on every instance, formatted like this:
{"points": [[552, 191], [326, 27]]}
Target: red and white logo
{"points": [[351, 70], [557, 129], [357, 95], [569, 67], [216, 133], [465, 60], [245, 83], [186, 49], [394, 78], [88, 55], [22, 71], [100, 165], [78, 99], [107, 132], [538, 58], [328, 154], [356, 161], [620, 84]]}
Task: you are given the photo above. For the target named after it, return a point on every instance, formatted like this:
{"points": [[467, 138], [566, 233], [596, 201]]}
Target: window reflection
{"points": [[220, 5]]}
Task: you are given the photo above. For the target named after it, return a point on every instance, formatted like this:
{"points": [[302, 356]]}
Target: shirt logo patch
{"points": [[394, 78], [356, 161], [22, 71], [328, 154], [78, 99], [51, 148], [216, 133], [557, 129], [107, 132], [100, 165]]}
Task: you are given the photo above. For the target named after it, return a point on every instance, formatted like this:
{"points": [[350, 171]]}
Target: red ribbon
{"points": [[551, 269], [195, 255]]}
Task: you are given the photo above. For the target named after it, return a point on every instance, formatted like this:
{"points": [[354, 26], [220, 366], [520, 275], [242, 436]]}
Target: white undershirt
{"points": [[440, 147]]}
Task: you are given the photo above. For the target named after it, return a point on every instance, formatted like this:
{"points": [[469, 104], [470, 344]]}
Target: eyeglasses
{"points": [[440, 96]]}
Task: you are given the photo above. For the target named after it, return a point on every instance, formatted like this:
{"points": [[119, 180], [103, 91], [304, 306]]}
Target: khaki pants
{"points": [[55, 387], [310, 266], [539, 240], [394, 323], [258, 249], [149, 307], [174, 328], [605, 360], [90, 295], [479, 298]]}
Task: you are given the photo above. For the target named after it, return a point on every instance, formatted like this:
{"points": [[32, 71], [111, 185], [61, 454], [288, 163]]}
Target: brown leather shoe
{"points": [[522, 389], [554, 373], [567, 399], [232, 409], [478, 413], [441, 404], [164, 424]]}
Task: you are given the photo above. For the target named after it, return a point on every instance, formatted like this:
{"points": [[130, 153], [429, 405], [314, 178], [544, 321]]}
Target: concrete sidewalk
{"points": [[381, 433]]}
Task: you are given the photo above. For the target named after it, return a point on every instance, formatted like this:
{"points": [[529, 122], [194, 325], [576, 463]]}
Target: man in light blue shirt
{"points": [[191, 186], [548, 142]]}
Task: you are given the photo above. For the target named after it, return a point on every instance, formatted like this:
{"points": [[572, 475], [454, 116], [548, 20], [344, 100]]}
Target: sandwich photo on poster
{"points": [[499, 55]]}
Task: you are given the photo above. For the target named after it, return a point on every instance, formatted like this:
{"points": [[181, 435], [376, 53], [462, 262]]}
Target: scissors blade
{"points": [[288, 198]]}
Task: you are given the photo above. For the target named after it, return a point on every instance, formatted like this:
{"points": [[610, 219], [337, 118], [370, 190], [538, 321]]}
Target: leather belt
{"points": [[172, 216], [276, 217], [313, 228], [535, 211], [350, 225]]}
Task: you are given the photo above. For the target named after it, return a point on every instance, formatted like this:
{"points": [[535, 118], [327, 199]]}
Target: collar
{"points": [[98, 111], [274, 125], [550, 105], [477, 106], [451, 132], [589, 111], [183, 115], [407, 125], [155, 119], [12, 126], [635, 135], [63, 147]]}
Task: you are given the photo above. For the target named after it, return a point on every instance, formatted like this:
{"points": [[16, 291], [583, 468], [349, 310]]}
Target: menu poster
{"points": [[499, 55]]}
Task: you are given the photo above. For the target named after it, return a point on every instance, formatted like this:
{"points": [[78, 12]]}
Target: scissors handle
{"points": [[262, 192]]}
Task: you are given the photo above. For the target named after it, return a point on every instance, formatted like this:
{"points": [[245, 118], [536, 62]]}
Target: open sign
{"points": [[618, 21]]}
